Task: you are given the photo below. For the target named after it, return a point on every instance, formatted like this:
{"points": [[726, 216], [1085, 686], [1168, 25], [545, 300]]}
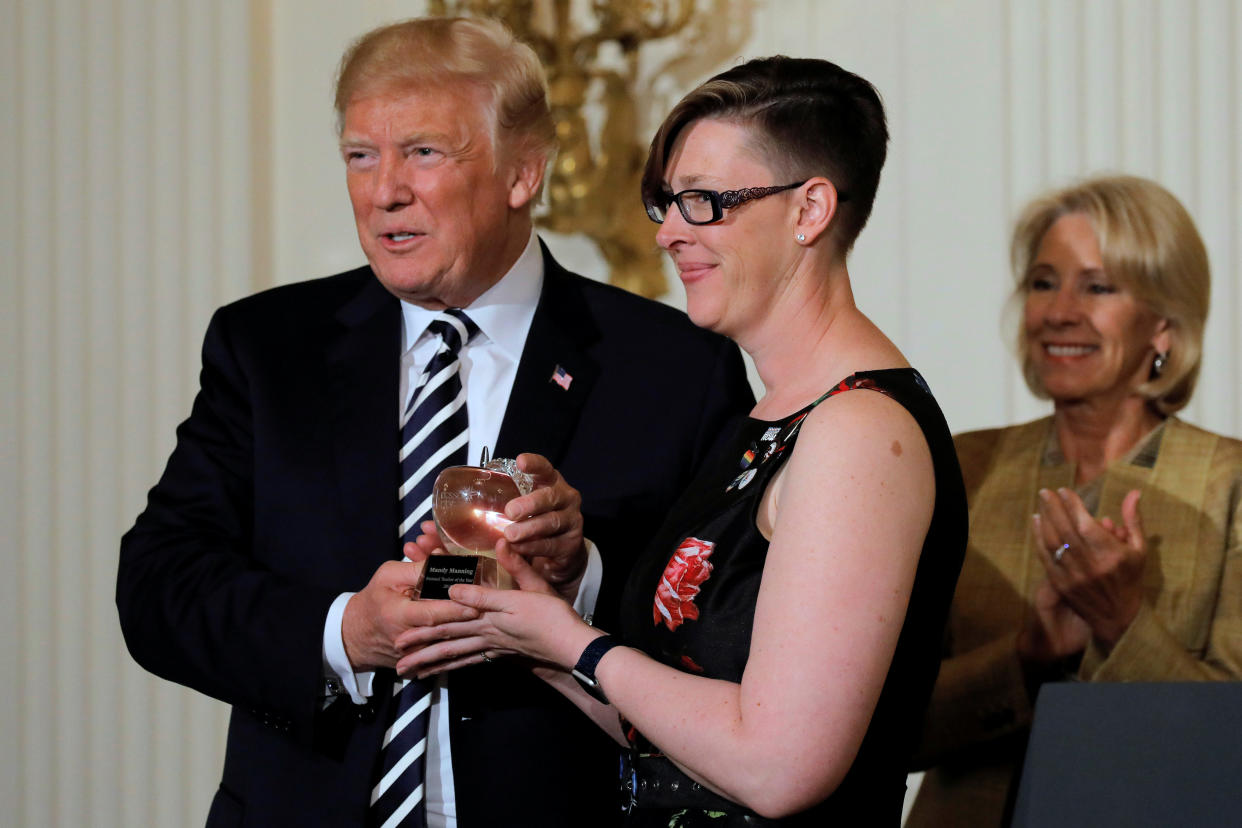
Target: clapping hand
{"points": [[1053, 631], [1094, 566]]}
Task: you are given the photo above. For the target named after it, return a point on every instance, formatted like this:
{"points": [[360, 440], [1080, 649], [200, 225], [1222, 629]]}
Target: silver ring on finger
{"points": [[487, 659], [1060, 553]]}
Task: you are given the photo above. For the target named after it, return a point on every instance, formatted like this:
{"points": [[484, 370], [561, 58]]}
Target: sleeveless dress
{"points": [[690, 604]]}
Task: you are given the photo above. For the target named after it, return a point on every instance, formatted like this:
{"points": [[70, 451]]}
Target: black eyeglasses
{"points": [[708, 206]]}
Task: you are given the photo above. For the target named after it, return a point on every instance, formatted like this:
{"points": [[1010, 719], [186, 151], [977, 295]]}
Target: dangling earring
{"points": [[1157, 364], [800, 237]]}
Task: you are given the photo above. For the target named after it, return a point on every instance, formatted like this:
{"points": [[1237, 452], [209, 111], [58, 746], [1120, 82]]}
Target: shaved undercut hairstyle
{"points": [[806, 118]]}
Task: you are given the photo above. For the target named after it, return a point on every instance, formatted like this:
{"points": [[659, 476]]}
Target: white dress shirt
{"points": [[489, 365]]}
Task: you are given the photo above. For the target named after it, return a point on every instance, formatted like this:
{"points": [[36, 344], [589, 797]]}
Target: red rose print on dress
{"points": [[679, 585]]}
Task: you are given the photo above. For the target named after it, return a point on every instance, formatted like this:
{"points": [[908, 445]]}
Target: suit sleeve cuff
{"points": [[588, 587], [339, 674], [1146, 651]]}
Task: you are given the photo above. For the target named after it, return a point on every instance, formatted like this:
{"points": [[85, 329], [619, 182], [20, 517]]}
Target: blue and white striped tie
{"points": [[434, 435]]}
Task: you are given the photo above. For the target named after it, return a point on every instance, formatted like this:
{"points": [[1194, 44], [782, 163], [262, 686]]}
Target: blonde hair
{"points": [[431, 52], [1149, 245]]}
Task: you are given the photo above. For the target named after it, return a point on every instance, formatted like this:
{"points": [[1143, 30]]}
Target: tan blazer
{"points": [[1189, 629]]}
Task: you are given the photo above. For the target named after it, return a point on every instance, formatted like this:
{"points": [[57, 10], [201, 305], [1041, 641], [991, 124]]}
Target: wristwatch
{"points": [[584, 670]]}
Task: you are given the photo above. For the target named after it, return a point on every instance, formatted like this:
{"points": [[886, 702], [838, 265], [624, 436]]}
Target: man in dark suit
{"points": [[265, 569]]}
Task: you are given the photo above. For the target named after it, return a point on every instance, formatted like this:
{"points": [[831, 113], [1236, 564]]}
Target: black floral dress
{"points": [[690, 604]]}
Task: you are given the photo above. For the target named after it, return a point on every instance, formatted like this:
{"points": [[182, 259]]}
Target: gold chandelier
{"points": [[601, 103]]}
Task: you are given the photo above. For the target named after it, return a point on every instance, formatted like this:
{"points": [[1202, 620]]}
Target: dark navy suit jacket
{"points": [[281, 494]]}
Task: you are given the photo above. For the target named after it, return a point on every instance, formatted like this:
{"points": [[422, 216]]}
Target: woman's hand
{"points": [[1053, 631], [532, 621], [1095, 566]]}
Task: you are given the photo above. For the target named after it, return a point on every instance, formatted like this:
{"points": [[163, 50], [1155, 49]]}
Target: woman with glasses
{"points": [[780, 638]]}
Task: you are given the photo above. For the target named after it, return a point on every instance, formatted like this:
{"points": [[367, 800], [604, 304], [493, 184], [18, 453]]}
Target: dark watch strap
{"points": [[584, 670]]}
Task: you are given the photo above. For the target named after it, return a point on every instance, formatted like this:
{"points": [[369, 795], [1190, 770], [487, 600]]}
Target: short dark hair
{"points": [[809, 117]]}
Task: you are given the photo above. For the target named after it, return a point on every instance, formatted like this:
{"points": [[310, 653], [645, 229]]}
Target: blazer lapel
{"points": [[542, 413], [362, 366]]}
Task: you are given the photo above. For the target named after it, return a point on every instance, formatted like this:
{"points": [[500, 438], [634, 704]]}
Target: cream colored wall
{"points": [[126, 218], [989, 103], [163, 158]]}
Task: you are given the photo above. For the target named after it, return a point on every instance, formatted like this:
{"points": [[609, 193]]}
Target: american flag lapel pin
{"points": [[561, 377]]}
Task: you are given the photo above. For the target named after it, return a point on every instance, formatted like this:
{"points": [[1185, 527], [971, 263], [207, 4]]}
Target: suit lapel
{"points": [[542, 414], [362, 368]]}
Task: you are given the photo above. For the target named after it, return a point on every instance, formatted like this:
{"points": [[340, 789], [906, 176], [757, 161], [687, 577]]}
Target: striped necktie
{"points": [[434, 435]]}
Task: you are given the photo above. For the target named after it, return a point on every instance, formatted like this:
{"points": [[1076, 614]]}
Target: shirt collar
{"points": [[1143, 454], [504, 311]]}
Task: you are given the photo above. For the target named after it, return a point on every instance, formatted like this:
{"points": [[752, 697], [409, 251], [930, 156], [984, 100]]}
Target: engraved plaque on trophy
{"points": [[468, 506]]}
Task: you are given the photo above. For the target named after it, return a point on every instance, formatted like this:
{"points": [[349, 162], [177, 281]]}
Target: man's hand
{"points": [[547, 526], [375, 617]]}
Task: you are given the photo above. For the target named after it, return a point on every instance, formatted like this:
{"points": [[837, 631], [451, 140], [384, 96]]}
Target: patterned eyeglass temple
{"points": [[732, 198]]}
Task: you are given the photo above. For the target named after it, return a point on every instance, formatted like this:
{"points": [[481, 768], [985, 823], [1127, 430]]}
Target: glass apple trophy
{"points": [[468, 506]]}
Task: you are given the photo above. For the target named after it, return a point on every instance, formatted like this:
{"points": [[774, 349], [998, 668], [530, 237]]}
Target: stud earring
{"points": [[1157, 364], [800, 237]]}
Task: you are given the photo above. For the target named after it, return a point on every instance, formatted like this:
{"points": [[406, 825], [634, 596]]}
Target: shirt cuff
{"points": [[588, 587], [339, 675]]}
